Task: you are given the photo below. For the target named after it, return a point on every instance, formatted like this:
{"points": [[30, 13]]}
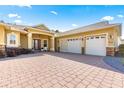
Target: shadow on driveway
{"points": [[96, 61]]}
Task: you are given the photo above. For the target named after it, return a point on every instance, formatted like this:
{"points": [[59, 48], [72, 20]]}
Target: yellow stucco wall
{"points": [[23, 41], [110, 31], [52, 43], [2, 35]]}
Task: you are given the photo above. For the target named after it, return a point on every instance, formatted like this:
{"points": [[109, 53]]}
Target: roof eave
{"points": [[40, 30], [61, 34]]}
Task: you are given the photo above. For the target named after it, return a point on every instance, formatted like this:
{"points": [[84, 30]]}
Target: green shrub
{"points": [[120, 53]]}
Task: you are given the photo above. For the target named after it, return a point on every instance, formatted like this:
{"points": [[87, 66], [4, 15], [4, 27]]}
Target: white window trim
{"points": [[8, 40]]}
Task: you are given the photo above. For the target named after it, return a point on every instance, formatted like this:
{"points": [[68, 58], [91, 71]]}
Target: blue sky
{"points": [[63, 17]]}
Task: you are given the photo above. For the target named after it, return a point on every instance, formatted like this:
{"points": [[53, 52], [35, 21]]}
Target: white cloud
{"points": [[18, 16], [28, 6], [120, 16], [18, 21], [74, 25], [107, 18], [14, 15], [54, 12]]}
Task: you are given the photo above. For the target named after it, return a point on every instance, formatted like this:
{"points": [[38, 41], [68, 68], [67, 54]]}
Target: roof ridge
{"points": [[88, 28], [102, 23]]}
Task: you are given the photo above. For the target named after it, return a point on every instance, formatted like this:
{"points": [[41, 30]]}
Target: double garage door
{"points": [[95, 45], [71, 45]]}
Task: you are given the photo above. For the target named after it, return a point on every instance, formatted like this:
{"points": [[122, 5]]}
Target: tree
{"points": [[1, 21], [57, 31]]}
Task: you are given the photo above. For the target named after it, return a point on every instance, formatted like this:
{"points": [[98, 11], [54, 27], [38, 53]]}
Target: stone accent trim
{"points": [[110, 51], [2, 51]]}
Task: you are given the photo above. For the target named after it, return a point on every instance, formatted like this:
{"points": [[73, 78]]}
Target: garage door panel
{"points": [[74, 46], [63, 46], [96, 46]]}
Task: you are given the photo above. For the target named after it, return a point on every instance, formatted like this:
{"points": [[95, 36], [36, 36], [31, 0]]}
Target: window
{"points": [[97, 37], [12, 39], [76, 38], [110, 36], [87, 38], [92, 37], [45, 43], [102, 36]]}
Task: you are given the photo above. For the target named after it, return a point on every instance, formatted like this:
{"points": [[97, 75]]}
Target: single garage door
{"points": [[96, 45], [74, 46]]}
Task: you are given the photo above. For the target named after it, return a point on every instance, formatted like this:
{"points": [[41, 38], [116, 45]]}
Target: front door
{"points": [[45, 44], [37, 44]]}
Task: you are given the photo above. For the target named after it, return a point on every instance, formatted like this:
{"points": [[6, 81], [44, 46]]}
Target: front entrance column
{"points": [[29, 40], [52, 42]]}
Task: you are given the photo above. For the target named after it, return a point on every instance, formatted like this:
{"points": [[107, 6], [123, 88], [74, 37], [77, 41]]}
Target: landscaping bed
{"points": [[12, 52], [115, 62]]}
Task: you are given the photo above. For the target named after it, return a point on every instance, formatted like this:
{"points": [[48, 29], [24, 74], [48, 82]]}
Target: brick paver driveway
{"points": [[58, 70]]}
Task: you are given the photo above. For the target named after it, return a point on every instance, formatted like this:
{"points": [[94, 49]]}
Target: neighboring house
{"points": [[18, 36], [95, 39]]}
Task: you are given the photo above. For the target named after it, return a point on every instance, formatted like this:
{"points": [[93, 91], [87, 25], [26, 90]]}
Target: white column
{"points": [[52, 42], [29, 40]]}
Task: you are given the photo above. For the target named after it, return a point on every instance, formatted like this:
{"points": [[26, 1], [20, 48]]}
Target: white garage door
{"points": [[63, 46], [96, 45], [74, 46], [71, 45]]}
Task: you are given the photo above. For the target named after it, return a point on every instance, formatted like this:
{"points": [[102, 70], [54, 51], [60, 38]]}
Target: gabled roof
{"points": [[41, 27], [88, 28], [20, 28], [24, 28]]}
